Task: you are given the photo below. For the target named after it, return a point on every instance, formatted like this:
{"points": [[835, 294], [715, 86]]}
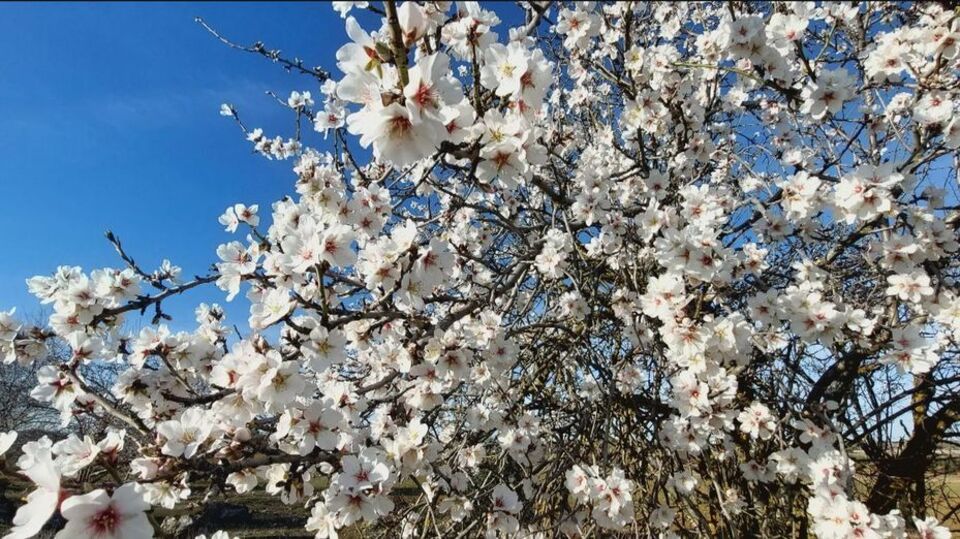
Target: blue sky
{"points": [[110, 116]]}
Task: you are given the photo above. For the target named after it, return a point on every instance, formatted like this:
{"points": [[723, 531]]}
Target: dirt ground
{"points": [[263, 516]]}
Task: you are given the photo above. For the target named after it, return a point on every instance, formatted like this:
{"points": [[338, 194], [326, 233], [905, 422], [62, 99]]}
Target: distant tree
{"points": [[18, 410]]}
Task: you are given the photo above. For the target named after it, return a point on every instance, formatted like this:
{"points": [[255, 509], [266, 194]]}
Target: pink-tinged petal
{"points": [[129, 500], [85, 505]]}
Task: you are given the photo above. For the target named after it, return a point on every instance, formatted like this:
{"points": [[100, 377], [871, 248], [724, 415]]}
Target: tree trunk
{"points": [[911, 465]]}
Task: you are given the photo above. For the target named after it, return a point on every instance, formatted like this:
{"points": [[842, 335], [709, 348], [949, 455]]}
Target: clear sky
{"points": [[110, 120]]}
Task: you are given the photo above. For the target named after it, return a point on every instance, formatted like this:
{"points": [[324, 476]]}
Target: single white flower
{"points": [[98, 515]]}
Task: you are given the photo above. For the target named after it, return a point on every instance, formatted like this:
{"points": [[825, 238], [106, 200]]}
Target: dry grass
{"points": [[943, 502]]}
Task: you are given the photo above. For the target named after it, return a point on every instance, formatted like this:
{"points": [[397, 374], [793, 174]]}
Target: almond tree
{"points": [[650, 269]]}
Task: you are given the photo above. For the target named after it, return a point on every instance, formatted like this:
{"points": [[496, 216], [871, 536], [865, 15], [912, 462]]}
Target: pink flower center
{"points": [[105, 521], [399, 126], [424, 96]]}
